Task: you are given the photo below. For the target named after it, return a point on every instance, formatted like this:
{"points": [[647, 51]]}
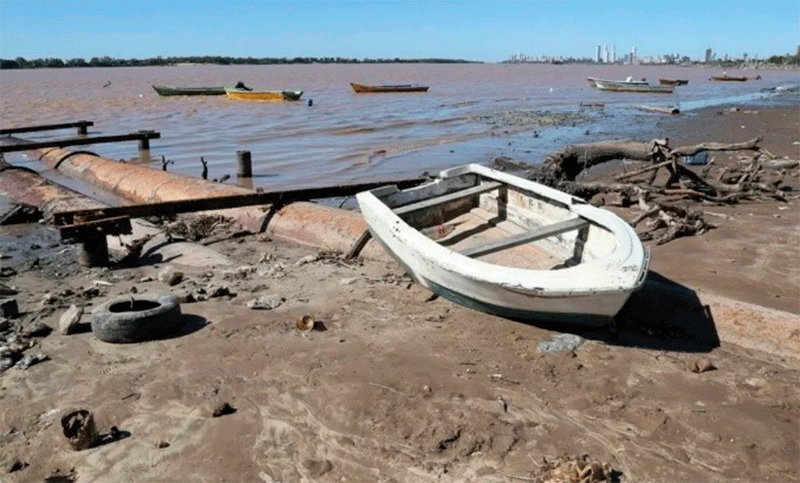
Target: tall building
{"points": [[599, 57], [614, 54], [608, 55], [633, 54], [709, 55]]}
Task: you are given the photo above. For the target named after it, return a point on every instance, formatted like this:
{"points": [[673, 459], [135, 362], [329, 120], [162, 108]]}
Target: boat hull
{"points": [[594, 80], [728, 79], [647, 89], [673, 82], [589, 293], [263, 95], [189, 91], [368, 89]]}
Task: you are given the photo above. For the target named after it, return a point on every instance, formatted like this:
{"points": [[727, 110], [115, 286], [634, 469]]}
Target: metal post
{"points": [[83, 129], [144, 144], [245, 164]]}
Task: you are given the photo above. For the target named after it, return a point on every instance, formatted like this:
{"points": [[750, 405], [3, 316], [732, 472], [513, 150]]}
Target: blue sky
{"points": [[477, 30]]}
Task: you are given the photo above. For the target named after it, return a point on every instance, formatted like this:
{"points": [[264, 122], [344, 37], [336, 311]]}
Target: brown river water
{"points": [[472, 113]]}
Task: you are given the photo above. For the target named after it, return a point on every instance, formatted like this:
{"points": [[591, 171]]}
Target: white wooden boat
{"points": [[629, 81], [508, 246], [646, 88]]}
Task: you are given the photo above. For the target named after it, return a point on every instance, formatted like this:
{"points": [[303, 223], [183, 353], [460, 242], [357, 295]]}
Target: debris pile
{"points": [[576, 470], [663, 200]]}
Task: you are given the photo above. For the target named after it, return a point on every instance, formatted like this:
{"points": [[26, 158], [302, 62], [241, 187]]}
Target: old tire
{"points": [[135, 319]]}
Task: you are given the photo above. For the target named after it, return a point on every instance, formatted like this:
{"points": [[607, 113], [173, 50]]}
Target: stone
{"points": [[6, 290], [702, 365], [219, 291], [70, 319], [223, 409], [306, 259], [561, 343], [6, 363], [170, 276], [266, 302], [31, 360], [9, 307], [38, 329]]}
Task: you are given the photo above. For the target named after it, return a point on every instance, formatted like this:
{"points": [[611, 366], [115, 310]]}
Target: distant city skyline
{"points": [[607, 54], [476, 30]]}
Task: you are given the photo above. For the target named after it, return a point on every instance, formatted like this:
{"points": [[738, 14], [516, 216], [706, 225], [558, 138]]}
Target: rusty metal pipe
{"points": [[306, 223], [24, 186]]}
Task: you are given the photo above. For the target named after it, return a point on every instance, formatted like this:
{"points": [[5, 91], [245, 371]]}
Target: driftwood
{"points": [[567, 163], [662, 110], [692, 150], [757, 178]]}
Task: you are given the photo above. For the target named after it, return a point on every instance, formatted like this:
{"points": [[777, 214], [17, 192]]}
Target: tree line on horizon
{"points": [[22, 63]]}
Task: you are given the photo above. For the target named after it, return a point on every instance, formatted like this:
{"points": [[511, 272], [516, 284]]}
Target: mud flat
{"points": [[699, 382]]}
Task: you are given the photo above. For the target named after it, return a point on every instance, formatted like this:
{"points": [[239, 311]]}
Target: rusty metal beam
{"points": [[141, 136], [81, 125], [120, 225], [225, 202]]}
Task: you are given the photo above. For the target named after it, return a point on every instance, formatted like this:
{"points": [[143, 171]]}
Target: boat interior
{"points": [[500, 223]]}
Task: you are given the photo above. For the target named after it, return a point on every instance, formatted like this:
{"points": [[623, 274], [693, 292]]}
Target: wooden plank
{"points": [[527, 237], [440, 200], [225, 202], [81, 141], [47, 127]]}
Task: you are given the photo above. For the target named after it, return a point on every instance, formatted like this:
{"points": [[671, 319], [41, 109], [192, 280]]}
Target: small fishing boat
{"points": [[629, 81], [673, 82], [263, 95], [197, 91], [189, 91], [722, 78], [646, 88], [363, 88], [508, 246]]}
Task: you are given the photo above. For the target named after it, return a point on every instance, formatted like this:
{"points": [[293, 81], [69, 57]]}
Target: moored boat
{"points": [[508, 246], [673, 82], [629, 81], [197, 91], [364, 88], [189, 91], [722, 78], [645, 88], [263, 95]]}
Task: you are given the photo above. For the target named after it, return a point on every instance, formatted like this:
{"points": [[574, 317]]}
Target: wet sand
{"points": [[398, 386]]}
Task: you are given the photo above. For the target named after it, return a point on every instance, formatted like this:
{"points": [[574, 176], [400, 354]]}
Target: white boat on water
{"points": [[508, 246], [645, 88], [629, 81]]}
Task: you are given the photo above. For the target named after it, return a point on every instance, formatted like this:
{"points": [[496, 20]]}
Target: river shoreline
{"points": [[697, 384]]}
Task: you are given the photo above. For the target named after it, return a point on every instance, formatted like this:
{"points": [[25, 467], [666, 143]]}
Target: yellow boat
{"points": [[263, 95]]}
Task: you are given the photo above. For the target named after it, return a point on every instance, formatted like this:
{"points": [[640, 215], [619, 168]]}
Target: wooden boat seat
{"points": [[440, 200], [527, 237]]}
